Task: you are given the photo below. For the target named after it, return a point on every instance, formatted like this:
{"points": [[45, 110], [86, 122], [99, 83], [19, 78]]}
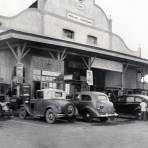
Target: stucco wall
{"points": [[27, 21], [53, 18], [119, 45], [89, 11], [55, 30], [7, 62]]}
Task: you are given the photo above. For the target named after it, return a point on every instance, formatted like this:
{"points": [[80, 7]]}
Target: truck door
{"points": [[38, 106]]}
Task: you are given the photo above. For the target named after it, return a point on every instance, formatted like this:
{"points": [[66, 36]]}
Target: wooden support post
{"points": [[88, 64], [19, 53], [123, 76]]}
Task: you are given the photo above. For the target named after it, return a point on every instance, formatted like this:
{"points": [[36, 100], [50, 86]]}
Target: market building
{"points": [[68, 45]]}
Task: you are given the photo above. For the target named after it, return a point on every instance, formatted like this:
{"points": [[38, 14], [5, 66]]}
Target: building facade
{"points": [[58, 45]]}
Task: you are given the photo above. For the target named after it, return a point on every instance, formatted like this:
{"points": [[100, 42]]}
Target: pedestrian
{"points": [[143, 107], [8, 95]]}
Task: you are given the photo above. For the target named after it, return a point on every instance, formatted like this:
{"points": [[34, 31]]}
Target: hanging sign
{"points": [[89, 77], [19, 72]]}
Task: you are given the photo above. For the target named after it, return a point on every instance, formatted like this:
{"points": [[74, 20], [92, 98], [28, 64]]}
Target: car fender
{"points": [[53, 107], [92, 110], [76, 111]]}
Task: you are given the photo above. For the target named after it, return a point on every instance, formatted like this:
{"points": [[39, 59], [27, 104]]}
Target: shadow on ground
{"points": [[96, 122], [117, 121]]}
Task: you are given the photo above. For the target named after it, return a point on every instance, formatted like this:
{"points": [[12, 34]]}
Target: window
{"points": [[91, 39], [121, 99], [40, 94], [58, 94], [102, 97], [85, 98], [68, 33], [130, 99], [138, 100]]}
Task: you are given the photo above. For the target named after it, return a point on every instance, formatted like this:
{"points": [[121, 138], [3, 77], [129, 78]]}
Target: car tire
{"points": [[22, 113], [70, 113], [103, 119], [87, 116], [50, 116]]}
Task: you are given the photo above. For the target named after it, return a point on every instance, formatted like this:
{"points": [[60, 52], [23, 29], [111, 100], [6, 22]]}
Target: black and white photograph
{"points": [[73, 74]]}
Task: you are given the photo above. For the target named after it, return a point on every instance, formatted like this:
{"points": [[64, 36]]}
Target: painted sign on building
{"points": [[48, 64], [79, 19]]}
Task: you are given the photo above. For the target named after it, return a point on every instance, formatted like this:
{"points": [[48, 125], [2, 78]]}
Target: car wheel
{"points": [[87, 116], [50, 116], [22, 113], [69, 110], [103, 119]]}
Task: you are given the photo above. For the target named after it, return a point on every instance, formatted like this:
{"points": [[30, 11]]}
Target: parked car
{"points": [[51, 104], [92, 105], [129, 105]]}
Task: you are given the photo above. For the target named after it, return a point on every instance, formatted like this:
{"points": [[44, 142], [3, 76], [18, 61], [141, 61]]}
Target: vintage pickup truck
{"points": [[49, 103]]}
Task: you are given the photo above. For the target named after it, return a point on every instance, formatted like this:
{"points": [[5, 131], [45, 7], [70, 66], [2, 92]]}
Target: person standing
{"points": [[8, 95], [143, 107]]}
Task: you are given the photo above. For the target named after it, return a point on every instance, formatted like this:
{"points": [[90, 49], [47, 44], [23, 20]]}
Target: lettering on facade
{"points": [[79, 19], [81, 4], [45, 69], [47, 64]]}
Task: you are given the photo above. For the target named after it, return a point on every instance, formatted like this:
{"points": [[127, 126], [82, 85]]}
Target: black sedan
{"points": [[129, 105]]}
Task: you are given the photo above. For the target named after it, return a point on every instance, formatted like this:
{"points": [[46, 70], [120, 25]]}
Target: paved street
{"points": [[122, 133]]}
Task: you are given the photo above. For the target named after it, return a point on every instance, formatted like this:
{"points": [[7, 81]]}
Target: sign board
{"points": [[50, 73], [89, 77], [79, 19], [68, 77], [19, 79], [19, 72], [107, 65]]}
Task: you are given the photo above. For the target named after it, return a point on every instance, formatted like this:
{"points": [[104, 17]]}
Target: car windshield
{"points": [[102, 98]]}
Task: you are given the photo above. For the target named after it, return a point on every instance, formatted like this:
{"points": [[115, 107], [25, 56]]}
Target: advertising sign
{"points": [[19, 72], [89, 77]]}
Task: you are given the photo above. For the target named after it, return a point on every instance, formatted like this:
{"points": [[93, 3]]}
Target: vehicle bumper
{"points": [[108, 115], [64, 115], [60, 115]]}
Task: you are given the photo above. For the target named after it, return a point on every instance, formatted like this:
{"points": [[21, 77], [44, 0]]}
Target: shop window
{"points": [[92, 40], [68, 33]]}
